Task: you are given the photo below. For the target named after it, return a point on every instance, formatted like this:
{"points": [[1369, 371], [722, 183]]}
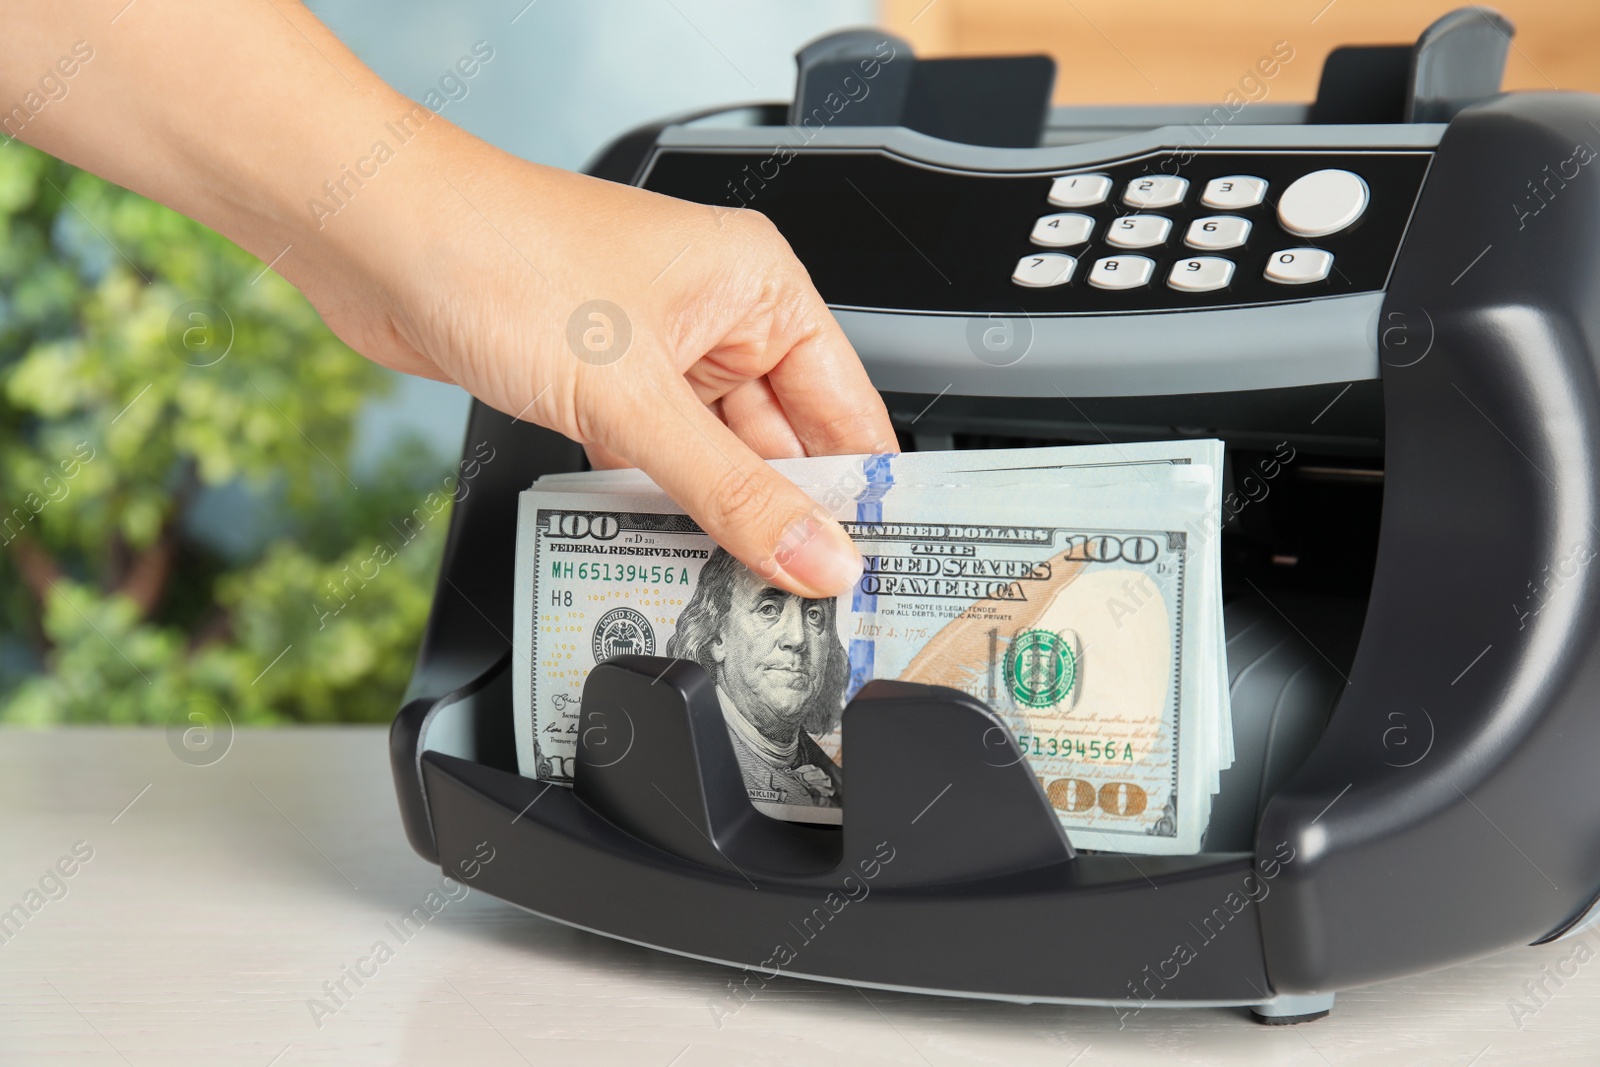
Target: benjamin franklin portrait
{"points": [[781, 675]]}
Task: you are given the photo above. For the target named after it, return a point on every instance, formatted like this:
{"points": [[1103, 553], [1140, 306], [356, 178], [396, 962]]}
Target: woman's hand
{"points": [[677, 338], [443, 256]]}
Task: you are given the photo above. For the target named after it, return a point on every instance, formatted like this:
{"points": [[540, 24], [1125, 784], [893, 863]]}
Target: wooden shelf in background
{"points": [[1172, 51]]}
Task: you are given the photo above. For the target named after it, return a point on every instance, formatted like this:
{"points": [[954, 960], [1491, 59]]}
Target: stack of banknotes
{"points": [[1074, 590]]}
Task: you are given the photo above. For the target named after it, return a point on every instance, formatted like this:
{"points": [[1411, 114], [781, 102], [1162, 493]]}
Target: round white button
{"points": [[1322, 202]]}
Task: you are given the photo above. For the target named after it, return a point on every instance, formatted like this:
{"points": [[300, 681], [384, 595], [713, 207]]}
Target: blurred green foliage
{"points": [[144, 362]]}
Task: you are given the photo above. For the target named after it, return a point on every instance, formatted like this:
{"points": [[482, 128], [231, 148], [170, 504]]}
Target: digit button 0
{"points": [[1298, 266]]}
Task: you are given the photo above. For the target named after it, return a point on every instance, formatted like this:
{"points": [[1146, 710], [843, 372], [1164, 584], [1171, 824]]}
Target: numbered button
{"points": [[1121, 272], [1080, 190], [1158, 190], [1234, 192], [1044, 270], [1217, 231], [1297, 266], [1061, 231], [1138, 231], [1200, 274]]}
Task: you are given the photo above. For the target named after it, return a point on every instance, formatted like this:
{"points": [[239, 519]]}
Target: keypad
{"points": [[1216, 232], [1121, 272], [1044, 270], [1200, 274], [1080, 190], [1155, 190], [1063, 230], [1165, 240], [1139, 231], [951, 234], [1299, 266]]}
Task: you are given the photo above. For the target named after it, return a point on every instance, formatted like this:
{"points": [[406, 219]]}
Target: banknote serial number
{"points": [[601, 571], [1105, 751]]}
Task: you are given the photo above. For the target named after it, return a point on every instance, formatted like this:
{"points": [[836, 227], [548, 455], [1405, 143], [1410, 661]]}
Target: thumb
{"points": [[759, 516]]}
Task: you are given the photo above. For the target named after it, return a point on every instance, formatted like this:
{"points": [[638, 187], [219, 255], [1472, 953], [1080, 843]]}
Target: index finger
{"points": [[826, 393]]}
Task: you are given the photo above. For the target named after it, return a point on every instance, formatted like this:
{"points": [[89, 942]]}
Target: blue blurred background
{"points": [[208, 505]]}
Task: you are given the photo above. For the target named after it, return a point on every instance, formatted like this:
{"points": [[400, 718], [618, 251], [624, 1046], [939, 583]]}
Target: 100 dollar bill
{"points": [[1063, 469], [1086, 639]]}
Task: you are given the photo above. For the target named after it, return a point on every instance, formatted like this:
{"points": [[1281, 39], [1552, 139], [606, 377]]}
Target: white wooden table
{"points": [[219, 899]]}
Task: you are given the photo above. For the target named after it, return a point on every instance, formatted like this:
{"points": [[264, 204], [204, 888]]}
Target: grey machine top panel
{"points": [[963, 291], [1189, 133], [1281, 346]]}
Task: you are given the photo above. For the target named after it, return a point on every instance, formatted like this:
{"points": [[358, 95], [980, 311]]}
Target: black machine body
{"points": [[1387, 303]]}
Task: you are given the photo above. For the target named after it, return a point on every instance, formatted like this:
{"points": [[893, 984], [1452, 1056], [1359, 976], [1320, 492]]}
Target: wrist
{"points": [[360, 202]]}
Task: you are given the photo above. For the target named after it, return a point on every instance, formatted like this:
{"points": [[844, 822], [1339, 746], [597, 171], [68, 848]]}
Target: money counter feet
{"points": [[1288, 1010]]}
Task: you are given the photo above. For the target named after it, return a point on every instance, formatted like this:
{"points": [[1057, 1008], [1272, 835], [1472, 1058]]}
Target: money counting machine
{"points": [[1386, 302]]}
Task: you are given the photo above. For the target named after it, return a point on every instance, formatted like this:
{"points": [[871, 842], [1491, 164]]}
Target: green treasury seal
{"points": [[1040, 669]]}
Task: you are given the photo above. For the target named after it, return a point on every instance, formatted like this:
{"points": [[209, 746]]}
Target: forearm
{"points": [[243, 114]]}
